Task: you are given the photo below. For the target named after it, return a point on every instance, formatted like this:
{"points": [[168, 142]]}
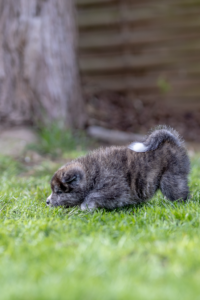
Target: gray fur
{"points": [[117, 176]]}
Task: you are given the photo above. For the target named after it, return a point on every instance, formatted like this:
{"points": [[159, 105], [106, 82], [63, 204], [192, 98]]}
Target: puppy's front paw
{"points": [[88, 206]]}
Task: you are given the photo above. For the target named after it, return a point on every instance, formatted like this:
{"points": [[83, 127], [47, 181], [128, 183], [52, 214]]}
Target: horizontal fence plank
{"points": [[184, 41], [90, 65], [121, 84], [173, 86], [113, 16], [139, 3], [82, 3], [144, 62]]}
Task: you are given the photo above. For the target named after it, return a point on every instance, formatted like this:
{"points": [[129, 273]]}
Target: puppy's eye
{"points": [[64, 189], [59, 192]]}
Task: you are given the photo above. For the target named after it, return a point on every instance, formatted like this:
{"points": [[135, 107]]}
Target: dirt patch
{"points": [[13, 141], [117, 111]]}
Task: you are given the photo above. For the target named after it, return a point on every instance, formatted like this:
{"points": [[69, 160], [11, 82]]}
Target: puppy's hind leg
{"points": [[174, 186]]}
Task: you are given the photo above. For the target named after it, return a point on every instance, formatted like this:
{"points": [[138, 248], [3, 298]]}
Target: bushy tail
{"points": [[155, 138]]}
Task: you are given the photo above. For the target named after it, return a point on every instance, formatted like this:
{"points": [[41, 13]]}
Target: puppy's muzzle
{"points": [[48, 200]]}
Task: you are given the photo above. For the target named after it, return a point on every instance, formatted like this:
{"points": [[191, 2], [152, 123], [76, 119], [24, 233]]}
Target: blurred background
{"points": [[140, 63], [124, 65]]}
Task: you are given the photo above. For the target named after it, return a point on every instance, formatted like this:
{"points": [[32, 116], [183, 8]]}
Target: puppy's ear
{"points": [[71, 176], [66, 178]]}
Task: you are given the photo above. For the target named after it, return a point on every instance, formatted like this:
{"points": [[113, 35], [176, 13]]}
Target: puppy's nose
{"points": [[48, 201]]}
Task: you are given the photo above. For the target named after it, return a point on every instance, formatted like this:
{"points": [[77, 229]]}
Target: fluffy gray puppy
{"points": [[117, 176]]}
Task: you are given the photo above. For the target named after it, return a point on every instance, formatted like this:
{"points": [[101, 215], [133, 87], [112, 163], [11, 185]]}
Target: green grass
{"points": [[149, 251]]}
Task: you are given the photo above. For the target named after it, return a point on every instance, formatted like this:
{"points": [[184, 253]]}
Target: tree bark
{"points": [[39, 79]]}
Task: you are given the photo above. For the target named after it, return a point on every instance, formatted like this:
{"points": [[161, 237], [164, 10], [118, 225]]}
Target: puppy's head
{"points": [[67, 186]]}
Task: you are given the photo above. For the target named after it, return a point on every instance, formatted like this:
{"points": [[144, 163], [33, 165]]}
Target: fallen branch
{"points": [[113, 136]]}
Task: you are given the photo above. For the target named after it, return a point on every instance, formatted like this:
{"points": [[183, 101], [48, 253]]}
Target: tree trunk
{"points": [[39, 79]]}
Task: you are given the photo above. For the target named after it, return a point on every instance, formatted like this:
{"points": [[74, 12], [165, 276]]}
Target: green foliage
{"points": [[56, 141], [148, 251], [164, 85]]}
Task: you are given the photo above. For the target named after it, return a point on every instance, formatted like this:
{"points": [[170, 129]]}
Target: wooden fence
{"points": [[149, 49]]}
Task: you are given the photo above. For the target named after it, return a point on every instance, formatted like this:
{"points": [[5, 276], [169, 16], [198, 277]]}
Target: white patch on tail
{"points": [[138, 147]]}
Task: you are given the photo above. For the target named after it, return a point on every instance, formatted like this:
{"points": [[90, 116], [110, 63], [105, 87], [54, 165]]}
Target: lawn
{"points": [[149, 251]]}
